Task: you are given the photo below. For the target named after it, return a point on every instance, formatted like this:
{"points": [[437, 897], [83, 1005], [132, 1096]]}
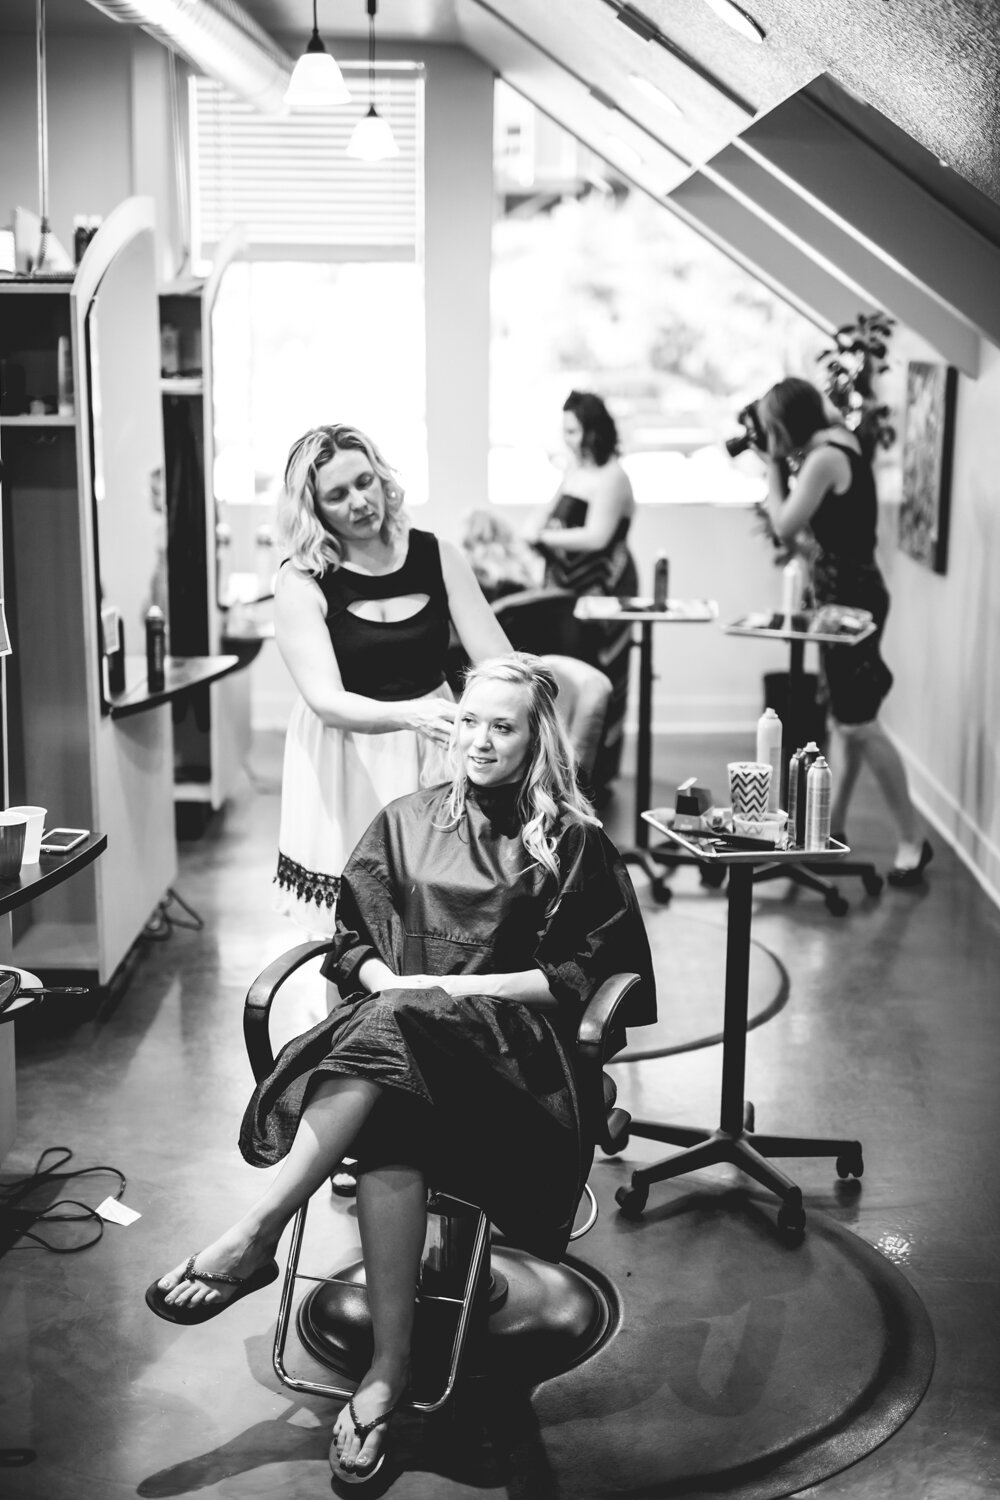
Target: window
{"points": [[329, 326]]}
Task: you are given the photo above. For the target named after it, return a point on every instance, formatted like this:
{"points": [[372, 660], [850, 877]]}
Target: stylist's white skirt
{"points": [[333, 783]]}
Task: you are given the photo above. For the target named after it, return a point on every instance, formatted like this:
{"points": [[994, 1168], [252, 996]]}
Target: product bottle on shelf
{"points": [[661, 581], [156, 649], [792, 589], [769, 753], [818, 792]]}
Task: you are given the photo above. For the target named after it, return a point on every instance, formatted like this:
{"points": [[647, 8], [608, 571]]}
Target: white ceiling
{"points": [[860, 124]]}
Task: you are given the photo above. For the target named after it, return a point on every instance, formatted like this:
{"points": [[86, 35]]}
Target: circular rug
{"points": [[741, 1366], [690, 952]]}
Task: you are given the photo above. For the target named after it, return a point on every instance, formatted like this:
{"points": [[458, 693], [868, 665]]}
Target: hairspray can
{"points": [[810, 754], [793, 791], [156, 649], [818, 788], [661, 580], [769, 753]]}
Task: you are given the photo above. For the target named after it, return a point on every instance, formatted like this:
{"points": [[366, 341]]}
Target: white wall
{"points": [[943, 641]]}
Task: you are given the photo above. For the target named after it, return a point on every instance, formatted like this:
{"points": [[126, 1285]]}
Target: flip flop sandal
{"points": [[155, 1294], [362, 1430]]}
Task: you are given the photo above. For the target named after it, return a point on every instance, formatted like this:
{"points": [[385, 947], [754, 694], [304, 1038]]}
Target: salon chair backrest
{"points": [[582, 704], [542, 621]]}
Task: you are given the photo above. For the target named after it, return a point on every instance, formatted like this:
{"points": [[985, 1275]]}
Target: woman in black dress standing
{"points": [[585, 543]]}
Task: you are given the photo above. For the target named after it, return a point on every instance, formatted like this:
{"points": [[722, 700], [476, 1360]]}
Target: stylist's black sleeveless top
{"points": [[845, 525], [397, 659]]}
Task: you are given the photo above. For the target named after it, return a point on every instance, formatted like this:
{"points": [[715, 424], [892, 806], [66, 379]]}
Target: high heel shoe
{"points": [[906, 878]]}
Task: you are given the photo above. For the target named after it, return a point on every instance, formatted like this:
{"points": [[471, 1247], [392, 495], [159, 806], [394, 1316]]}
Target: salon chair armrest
{"points": [[257, 1010], [600, 1035]]}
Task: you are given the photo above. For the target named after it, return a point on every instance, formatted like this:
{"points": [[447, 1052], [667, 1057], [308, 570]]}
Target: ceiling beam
{"points": [[847, 258], [865, 195]]}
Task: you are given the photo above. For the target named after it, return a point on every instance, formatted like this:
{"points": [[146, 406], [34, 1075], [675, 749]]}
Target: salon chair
{"points": [[582, 706], [483, 1308], [542, 621]]}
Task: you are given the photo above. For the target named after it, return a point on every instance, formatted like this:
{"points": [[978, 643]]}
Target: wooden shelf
{"points": [[51, 870], [181, 674], [47, 419], [182, 385]]}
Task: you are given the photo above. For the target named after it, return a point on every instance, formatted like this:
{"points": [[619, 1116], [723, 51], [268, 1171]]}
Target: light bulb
{"points": [[372, 139]]}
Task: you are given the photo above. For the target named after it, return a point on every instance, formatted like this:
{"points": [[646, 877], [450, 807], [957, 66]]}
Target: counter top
{"points": [[181, 674], [51, 870]]}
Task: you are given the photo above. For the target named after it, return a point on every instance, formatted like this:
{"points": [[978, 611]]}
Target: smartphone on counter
{"points": [[62, 840]]}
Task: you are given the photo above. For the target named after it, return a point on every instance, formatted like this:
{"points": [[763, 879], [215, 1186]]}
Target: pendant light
{"points": [[316, 81], [372, 139]]}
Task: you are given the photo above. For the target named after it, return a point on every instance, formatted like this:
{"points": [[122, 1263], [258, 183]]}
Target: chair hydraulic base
{"points": [[542, 1320], [742, 1149]]}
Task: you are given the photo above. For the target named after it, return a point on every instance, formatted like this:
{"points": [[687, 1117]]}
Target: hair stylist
{"points": [[834, 495]]}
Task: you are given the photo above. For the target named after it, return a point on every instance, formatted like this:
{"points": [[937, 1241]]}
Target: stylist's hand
{"points": [[433, 717]]}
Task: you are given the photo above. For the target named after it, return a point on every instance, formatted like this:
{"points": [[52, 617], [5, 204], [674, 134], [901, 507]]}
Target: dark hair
{"points": [[792, 411], [600, 435]]}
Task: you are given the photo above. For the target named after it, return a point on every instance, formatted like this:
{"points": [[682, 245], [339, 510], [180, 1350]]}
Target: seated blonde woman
{"points": [[475, 921]]}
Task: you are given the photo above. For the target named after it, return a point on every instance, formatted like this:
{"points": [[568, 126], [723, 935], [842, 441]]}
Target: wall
{"points": [[107, 126], [943, 640]]}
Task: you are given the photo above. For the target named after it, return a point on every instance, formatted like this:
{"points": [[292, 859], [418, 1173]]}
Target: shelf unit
{"points": [[211, 723], [72, 515]]}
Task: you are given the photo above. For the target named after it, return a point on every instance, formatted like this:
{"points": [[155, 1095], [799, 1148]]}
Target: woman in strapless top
{"points": [[584, 540]]}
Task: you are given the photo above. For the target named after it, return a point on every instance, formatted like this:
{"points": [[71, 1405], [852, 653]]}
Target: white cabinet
{"points": [[84, 526]]}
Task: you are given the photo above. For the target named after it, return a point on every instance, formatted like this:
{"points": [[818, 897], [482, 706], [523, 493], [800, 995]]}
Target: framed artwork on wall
{"points": [[928, 433]]}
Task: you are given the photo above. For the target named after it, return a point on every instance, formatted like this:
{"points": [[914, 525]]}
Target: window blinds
{"points": [[289, 183]]}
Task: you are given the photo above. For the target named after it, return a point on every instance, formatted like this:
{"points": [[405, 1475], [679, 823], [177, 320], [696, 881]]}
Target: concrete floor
{"points": [[890, 1032]]}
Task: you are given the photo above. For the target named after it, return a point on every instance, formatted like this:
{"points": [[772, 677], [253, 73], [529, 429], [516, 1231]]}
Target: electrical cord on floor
{"points": [[18, 1223], [163, 921]]}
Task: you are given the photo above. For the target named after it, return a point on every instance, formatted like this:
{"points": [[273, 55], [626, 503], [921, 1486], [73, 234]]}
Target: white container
{"points": [[792, 587], [769, 750], [34, 823]]}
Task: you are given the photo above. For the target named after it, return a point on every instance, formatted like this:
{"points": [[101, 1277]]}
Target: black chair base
{"points": [[542, 1320], [805, 876], [743, 1149]]}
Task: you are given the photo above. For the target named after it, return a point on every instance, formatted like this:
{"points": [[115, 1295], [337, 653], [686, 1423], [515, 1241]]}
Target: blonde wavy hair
{"points": [[308, 544], [549, 793]]}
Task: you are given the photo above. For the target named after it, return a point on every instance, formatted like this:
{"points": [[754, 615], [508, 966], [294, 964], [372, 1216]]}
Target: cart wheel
{"points": [[632, 1201], [872, 883], [836, 905], [851, 1164], [714, 876], [748, 1114], [792, 1221], [662, 894]]}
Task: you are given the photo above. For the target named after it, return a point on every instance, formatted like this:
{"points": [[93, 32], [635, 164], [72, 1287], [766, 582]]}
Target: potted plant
{"points": [[850, 368]]}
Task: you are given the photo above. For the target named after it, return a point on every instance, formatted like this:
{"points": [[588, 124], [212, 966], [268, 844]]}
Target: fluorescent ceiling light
{"points": [[649, 90], [738, 19]]}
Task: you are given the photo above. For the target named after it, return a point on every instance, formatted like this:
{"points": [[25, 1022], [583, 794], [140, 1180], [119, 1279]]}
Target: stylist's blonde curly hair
{"points": [[309, 545]]}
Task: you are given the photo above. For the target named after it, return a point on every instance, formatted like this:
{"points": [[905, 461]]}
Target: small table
{"points": [[734, 1140], [677, 612], [34, 880], [801, 871]]}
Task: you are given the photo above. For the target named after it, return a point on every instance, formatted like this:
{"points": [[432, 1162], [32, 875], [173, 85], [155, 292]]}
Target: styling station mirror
{"points": [[130, 530]]}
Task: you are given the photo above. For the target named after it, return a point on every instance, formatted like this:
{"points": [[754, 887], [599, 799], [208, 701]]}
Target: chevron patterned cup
{"points": [[749, 781]]}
